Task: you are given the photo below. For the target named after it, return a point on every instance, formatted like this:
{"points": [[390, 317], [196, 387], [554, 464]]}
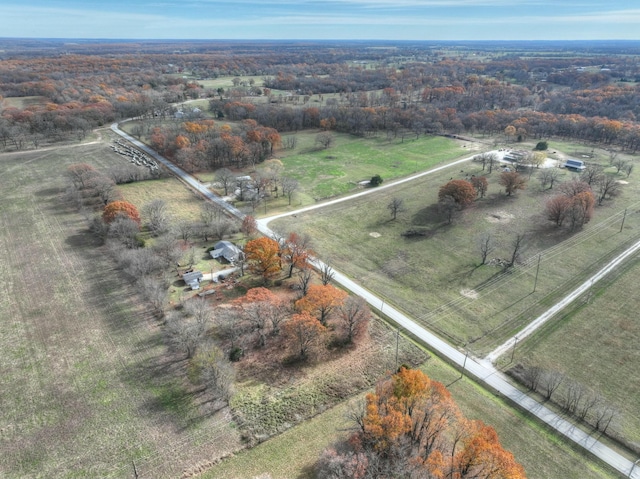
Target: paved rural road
{"points": [[483, 370]]}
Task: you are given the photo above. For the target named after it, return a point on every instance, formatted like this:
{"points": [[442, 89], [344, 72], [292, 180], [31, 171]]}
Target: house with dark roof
{"points": [[193, 279], [226, 250]]}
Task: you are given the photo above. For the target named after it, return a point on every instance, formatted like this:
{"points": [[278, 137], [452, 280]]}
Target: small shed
{"points": [[575, 165], [193, 279], [226, 250]]}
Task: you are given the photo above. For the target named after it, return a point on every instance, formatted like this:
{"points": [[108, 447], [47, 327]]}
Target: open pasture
{"points": [[86, 386], [595, 343], [437, 277], [337, 170], [182, 203]]}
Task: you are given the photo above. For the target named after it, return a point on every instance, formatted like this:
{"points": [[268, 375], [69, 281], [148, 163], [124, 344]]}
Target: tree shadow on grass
{"points": [[48, 192], [428, 216], [156, 376]]}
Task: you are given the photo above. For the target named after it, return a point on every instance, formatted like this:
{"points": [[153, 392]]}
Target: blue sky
{"points": [[323, 19]]}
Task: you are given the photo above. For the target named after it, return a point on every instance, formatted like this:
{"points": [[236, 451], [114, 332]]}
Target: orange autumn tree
{"points": [[302, 331], [263, 311], [297, 251], [411, 427], [112, 210], [462, 192], [321, 300], [263, 257]]}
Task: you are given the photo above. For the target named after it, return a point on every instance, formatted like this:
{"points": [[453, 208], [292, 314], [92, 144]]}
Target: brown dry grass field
{"points": [[86, 386]]}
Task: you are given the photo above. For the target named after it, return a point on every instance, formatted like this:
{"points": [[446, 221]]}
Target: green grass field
{"points": [[86, 386], [337, 170]]}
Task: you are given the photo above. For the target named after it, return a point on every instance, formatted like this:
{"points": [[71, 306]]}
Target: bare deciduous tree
{"points": [[447, 206], [532, 376], [304, 278], [155, 292], [166, 248], [487, 159], [486, 246], [157, 215], [592, 174], [326, 273], [289, 142], [518, 245], [548, 176], [185, 230], [551, 381], [226, 178], [229, 326], [353, 315], [198, 309], [209, 367], [604, 414], [182, 334], [324, 139], [608, 187], [289, 187], [125, 230], [396, 207], [619, 164], [210, 212]]}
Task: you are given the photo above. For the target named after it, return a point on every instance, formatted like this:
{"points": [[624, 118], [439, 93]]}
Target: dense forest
{"points": [[575, 91]]}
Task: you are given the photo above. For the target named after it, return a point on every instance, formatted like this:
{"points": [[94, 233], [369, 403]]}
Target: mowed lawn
{"points": [[595, 343], [294, 453], [86, 386], [337, 170]]}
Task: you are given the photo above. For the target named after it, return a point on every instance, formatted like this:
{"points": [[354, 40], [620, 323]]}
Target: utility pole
{"points": [[464, 363], [623, 218], [633, 467], [513, 351], [397, 346], [535, 283]]}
